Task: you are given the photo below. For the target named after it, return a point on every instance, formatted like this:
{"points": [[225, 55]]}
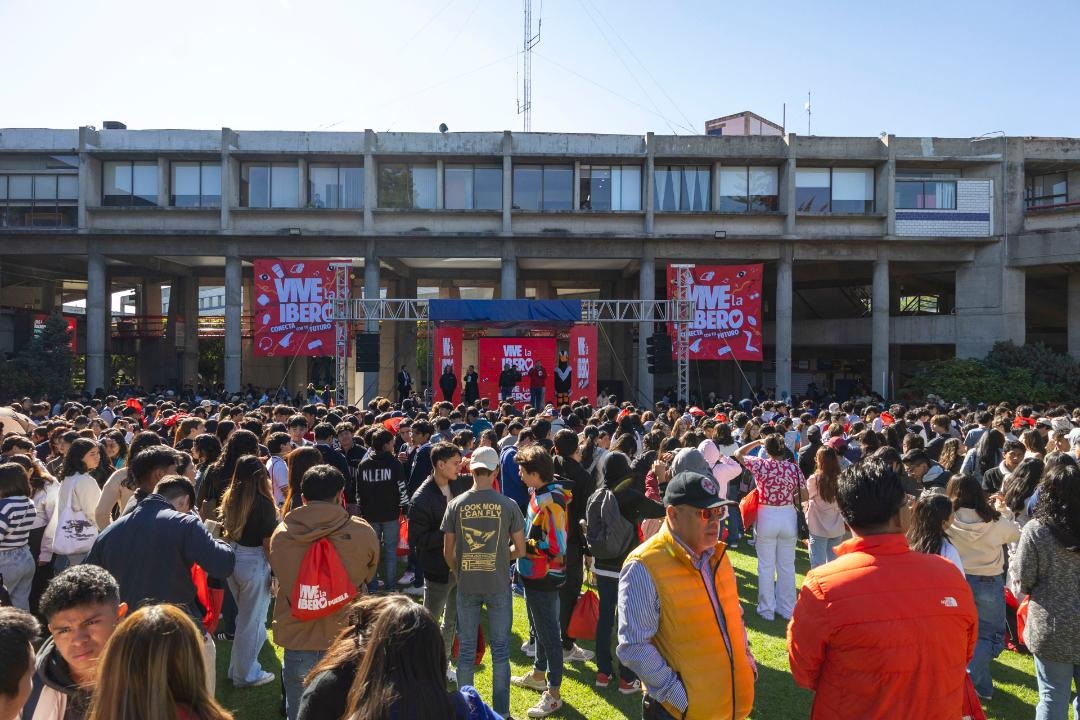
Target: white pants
{"points": [[775, 536], [210, 658]]}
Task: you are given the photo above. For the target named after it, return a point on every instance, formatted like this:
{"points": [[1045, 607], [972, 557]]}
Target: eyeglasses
{"points": [[716, 513]]}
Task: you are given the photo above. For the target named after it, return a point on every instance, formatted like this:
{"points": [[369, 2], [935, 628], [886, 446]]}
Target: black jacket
{"points": [[380, 488], [448, 383], [334, 457], [425, 525], [326, 696], [633, 504], [509, 378], [581, 485], [419, 468]]}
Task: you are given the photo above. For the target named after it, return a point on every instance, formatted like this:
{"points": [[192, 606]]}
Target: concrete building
{"points": [[743, 123], [878, 251]]}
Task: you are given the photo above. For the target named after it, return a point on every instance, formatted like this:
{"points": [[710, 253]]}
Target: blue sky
{"points": [[945, 68]]}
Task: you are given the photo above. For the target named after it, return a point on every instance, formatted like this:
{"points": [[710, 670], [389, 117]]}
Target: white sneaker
{"points": [[528, 680], [265, 679], [414, 590], [529, 649], [545, 707], [407, 578], [451, 675], [577, 654]]}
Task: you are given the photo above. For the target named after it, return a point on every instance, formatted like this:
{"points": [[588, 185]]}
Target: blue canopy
{"points": [[505, 311]]}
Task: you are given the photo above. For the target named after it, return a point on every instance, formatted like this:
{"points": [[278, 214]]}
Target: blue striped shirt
{"points": [[17, 515]]}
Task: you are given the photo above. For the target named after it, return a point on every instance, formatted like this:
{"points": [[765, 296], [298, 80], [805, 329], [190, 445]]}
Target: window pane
{"points": [[938, 195], [185, 184], [853, 190], [67, 187], [908, 195], [812, 190], [144, 182], [323, 188], [352, 187], [255, 186], [211, 185], [630, 192], [527, 180], [694, 189], [558, 187], [458, 187], [45, 187], [764, 189], [116, 185], [284, 186], [733, 191], [487, 188], [667, 181], [394, 186], [423, 187], [596, 188], [3, 187]]}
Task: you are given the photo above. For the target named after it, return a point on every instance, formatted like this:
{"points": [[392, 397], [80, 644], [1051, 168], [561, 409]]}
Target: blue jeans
{"points": [[822, 549], [543, 608], [63, 562], [500, 607], [989, 592], [734, 525], [294, 668], [17, 567], [609, 599], [1055, 686], [388, 533], [250, 586]]}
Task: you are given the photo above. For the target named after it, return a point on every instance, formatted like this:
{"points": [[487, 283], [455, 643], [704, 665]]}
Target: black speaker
{"points": [[367, 352]]}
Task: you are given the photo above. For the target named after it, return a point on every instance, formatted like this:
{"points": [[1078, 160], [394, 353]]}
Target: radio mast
{"points": [[530, 41]]}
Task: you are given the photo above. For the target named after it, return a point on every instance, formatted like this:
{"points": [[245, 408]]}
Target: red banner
{"points": [[727, 322], [448, 352], [293, 307], [72, 325], [522, 353], [583, 358]]}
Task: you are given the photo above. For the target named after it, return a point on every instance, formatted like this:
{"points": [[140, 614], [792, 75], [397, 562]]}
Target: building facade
{"points": [[879, 252]]}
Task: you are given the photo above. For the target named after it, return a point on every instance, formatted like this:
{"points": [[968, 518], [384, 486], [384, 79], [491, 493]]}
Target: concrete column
{"points": [[406, 333], [48, 297], [97, 321], [371, 292], [650, 184], [783, 321], [89, 174], [880, 343], [163, 182], [1072, 321], [371, 198], [233, 295], [440, 171], [886, 186], [302, 188], [189, 358], [787, 187], [508, 287], [508, 182], [229, 176], [714, 188], [577, 185], [646, 291]]}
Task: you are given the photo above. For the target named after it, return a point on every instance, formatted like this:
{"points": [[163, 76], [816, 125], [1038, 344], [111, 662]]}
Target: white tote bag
{"points": [[75, 532]]}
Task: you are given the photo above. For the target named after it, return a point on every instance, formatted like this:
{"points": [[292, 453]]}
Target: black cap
{"points": [[694, 489], [912, 457]]}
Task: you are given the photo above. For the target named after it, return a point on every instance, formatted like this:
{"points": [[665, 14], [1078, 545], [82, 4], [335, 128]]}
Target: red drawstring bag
{"points": [[1021, 619], [748, 507], [585, 616], [210, 598], [322, 585], [403, 536], [481, 646], [972, 707]]}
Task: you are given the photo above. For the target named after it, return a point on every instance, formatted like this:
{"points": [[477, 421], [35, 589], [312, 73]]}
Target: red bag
{"points": [[481, 646], [585, 616], [322, 585], [748, 507], [210, 598], [1021, 619], [403, 536], [972, 707]]}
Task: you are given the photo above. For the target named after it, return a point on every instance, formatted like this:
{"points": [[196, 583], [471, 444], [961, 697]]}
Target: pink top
{"points": [[776, 479], [823, 518]]}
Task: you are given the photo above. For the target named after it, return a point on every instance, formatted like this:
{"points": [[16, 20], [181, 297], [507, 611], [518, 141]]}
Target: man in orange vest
{"points": [[680, 623]]}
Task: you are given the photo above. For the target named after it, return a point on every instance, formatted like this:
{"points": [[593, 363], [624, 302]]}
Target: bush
{"points": [[1055, 370], [44, 365], [967, 380]]}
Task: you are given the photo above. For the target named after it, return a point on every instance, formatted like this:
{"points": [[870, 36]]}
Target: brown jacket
{"points": [[356, 544]]}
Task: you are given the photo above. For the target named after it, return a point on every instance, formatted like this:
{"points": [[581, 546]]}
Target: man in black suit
{"points": [[404, 384]]}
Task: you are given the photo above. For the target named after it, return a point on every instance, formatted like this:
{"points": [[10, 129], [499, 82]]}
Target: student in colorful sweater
{"points": [[543, 570]]}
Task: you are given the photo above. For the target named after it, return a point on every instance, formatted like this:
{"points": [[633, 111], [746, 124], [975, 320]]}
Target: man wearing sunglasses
{"points": [[680, 624]]}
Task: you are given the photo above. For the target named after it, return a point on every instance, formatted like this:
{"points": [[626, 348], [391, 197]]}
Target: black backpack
{"points": [[608, 534]]}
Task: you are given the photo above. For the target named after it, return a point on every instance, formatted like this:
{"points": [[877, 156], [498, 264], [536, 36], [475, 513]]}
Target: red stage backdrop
{"points": [[522, 353], [583, 358], [293, 307], [448, 352], [72, 325], [727, 321]]}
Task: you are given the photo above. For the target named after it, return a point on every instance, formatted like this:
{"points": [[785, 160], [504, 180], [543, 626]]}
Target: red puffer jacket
{"points": [[883, 632]]}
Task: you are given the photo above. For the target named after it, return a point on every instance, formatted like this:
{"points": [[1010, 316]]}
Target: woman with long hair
{"points": [[299, 461], [218, 475], [118, 489], [951, 457], [979, 531], [725, 443], [78, 491], [1034, 443], [249, 517], [403, 671], [929, 530], [187, 429], [823, 515], [1047, 568], [17, 514], [115, 447], [153, 667], [986, 454], [1020, 485], [44, 489], [205, 450]]}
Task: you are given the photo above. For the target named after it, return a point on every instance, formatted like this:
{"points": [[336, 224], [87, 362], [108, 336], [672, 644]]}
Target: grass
{"points": [[776, 695]]}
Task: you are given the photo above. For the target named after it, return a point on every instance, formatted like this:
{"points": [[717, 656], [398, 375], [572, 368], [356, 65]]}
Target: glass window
{"points": [[596, 188], [733, 190], [424, 186], [67, 187], [352, 187], [558, 187], [38, 200], [255, 185], [45, 187], [3, 187], [335, 186], [144, 184], [1047, 190], [487, 188], [407, 186], [284, 186], [852, 190], [129, 183], [682, 188], [185, 184], [210, 190], [458, 187], [271, 185], [116, 187], [764, 189], [528, 186], [812, 190], [925, 194], [627, 188]]}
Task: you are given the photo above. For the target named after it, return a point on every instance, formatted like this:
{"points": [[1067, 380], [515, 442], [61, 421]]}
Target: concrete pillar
{"points": [[783, 321], [163, 182], [229, 176], [406, 333], [508, 182], [233, 299], [1072, 322], [650, 184], [646, 291], [371, 292], [48, 297], [440, 170], [371, 198], [189, 357], [508, 286], [880, 343], [89, 173], [787, 187], [886, 189], [577, 185], [97, 321]]}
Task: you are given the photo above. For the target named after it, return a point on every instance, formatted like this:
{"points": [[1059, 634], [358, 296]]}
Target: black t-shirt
{"points": [[260, 523]]}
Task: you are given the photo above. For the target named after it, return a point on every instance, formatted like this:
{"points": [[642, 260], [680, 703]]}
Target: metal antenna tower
{"points": [[531, 40]]}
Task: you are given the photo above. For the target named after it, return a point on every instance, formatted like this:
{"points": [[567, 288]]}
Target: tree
{"points": [[44, 365]]}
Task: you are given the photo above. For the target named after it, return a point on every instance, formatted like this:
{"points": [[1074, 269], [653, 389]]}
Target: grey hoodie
{"points": [[1050, 574], [54, 695]]}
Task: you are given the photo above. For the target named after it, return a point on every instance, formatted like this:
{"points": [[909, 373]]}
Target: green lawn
{"points": [[776, 694]]}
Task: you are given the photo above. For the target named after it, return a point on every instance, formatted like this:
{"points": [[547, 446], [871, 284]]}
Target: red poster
{"points": [[448, 352], [727, 322], [293, 307], [521, 353], [583, 358]]}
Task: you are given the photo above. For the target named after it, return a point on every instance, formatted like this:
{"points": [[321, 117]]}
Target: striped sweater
{"points": [[544, 564], [17, 515]]}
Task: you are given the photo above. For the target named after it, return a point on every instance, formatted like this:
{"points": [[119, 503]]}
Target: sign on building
{"points": [[293, 307], [727, 322]]}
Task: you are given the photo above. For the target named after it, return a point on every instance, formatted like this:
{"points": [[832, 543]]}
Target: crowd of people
{"points": [[136, 534]]}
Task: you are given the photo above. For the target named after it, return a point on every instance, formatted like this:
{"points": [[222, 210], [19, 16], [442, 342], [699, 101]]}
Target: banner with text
{"points": [[727, 322], [448, 352], [72, 325], [583, 359], [293, 307], [522, 353]]}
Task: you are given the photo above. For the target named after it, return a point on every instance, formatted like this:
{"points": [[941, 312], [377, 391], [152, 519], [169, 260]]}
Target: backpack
{"points": [[322, 585], [607, 532]]}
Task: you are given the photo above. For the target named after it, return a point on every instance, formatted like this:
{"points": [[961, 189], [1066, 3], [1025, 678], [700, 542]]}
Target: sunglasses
{"points": [[716, 513]]}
